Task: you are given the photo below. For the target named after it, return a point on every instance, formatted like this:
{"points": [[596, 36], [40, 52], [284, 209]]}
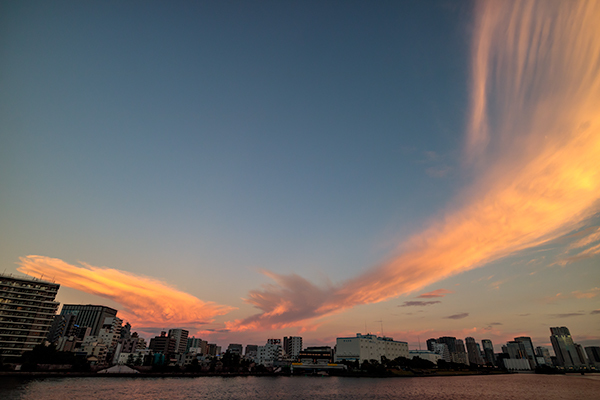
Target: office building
{"points": [[62, 325], [593, 355], [89, 316], [235, 348], [162, 344], [474, 352], [543, 356], [179, 338], [251, 350], [564, 348], [488, 351], [528, 349], [27, 309], [369, 347], [292, 345]]}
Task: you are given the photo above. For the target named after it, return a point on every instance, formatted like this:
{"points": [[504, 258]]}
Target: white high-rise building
{"points": [[269, 353], [369, 347]]}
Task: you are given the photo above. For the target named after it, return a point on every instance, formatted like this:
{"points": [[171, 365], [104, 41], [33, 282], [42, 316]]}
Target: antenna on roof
{"points": [[381, 321]]}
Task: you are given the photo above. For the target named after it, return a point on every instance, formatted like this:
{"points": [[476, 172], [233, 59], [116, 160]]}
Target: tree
{"points": [[130, 360]]}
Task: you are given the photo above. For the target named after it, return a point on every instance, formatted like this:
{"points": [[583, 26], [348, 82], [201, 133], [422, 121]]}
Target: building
{"points": [[542, 353], [564, 348], [194, 342], [369, 347], [235, 348], [179, 338], [514, 350], [473, 351], [89, 316], [461, 354], [27, 309], [268, 354], [515, 364], [528, 349], [251, 350], [593, 354], [442, 350], [162, 344], [488, 351], [62, 325], [213, 350], [292, 345], [316, 355], [425, 355]]}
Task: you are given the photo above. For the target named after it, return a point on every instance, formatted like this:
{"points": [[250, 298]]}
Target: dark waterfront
{"points": [[518, 386]]}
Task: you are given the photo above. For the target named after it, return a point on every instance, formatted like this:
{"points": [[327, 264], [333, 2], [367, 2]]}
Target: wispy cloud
{"points": [[535, 74], [146, 302], [458, 316], [595, 312], [567, 315], [419, 303], [435, 293]]}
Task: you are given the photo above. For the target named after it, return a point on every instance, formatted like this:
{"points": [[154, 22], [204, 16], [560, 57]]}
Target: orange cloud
{"points": [[147, 302], [534, 138], [435, 293]]}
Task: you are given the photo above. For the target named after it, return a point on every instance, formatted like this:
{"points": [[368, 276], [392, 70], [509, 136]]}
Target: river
{"points": [[516, 386]]}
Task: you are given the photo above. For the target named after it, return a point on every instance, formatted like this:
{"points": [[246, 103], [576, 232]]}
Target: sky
{"points": [[248, 170]]}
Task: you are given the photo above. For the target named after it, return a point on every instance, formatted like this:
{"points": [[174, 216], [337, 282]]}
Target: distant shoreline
{"points": [[52, 374]]}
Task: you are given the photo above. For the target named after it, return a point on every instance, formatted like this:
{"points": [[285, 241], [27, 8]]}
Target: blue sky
{"points": [[198, 143]]}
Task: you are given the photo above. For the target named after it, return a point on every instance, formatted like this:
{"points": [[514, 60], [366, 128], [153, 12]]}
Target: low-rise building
{"points": [[369, 347], [425, 355]]}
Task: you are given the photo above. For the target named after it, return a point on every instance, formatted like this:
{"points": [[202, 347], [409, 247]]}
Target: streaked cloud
{"points": [[533, 138], [457, 316], [146, 302], [595, 312], [567, 315], [435, 293], [419, 303]]}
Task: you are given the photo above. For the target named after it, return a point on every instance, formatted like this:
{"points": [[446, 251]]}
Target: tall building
{"points": [[564, 347], [488, 351], [369, 347], [461, 353], [430, 344], [514, 350], [542, 353], [89, 316], [179, 337], [593, 353], [473, 351], [27, 309], [292, 346], [528, 349], [442, 350]]}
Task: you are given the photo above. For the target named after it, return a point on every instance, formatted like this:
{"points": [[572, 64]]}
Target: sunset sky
{"points": [[248, 170]]}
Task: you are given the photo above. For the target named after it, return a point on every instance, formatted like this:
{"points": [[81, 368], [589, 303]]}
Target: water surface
{"points": [[518, 386]]}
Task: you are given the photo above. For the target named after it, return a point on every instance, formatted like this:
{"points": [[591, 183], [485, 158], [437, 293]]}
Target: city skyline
{"points": [[245, 171]]}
